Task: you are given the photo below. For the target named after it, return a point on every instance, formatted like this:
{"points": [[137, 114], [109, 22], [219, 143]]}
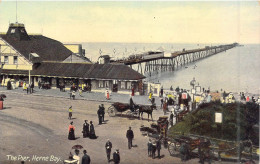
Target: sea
{"points": [[236, 70]]}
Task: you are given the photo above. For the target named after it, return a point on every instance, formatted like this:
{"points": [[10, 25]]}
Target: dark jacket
{"points": [[171, 116], [85, 159], [99, 112], [131, 102], [86, 127], [102, 111], [149, 145], [108, 145], [130, 134], [116, 157], [158, 144]]}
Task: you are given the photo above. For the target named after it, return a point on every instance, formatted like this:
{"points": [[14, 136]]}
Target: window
{"points": [[107, 84], [122, 85], [114, 81], [13, 31], [6, 60], [100, 84], [129, 85], [15, 60]]}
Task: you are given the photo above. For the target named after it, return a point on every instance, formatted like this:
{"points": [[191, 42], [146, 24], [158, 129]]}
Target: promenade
{"points": [[90, 96], [37, 125]]}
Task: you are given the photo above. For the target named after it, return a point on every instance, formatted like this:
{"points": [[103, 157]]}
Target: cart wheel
{"points": [[173, 148], [111, 111], [129, 114]]}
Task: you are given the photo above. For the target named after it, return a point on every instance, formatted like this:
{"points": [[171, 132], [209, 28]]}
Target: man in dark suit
{"points": [[108, 147], [99, 112], [132, 104], [158, 147], [116, 157], [130, 137], [85, 158], [103, 112]]}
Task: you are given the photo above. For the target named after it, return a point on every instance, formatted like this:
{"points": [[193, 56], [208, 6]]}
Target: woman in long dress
{"points": [[85, 129], [92, 134], [71, 131]]}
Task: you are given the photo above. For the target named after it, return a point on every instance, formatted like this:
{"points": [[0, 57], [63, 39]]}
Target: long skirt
{"points": [[92, 135], [71, 135], [85, 133]]}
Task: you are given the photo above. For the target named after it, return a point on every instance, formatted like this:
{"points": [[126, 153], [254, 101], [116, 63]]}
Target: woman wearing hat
{"points": [[71, 131], [92, 134]]}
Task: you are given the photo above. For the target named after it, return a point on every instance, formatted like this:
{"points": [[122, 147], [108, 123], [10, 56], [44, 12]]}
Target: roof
{"points": [[80, 70], [104, 56], [47, 49]]}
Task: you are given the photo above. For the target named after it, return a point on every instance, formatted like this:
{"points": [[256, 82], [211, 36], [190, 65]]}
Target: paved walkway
{"points": [[98, 96], [91, 96]]}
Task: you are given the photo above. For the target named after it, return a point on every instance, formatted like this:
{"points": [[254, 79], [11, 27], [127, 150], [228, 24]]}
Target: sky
{"points": [[137, 22]]}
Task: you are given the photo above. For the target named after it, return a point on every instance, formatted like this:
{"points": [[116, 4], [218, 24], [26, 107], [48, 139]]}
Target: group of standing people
{"points": [[28, 88], [116, 155], [88, 129], [153, 146], [85, 158]]}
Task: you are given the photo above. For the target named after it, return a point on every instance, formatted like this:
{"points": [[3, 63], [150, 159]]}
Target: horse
{"points": [[146, 109]]}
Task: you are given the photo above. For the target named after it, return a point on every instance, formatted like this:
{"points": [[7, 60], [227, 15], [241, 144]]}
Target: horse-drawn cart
{"points": [[174, 144], [211, 148], [130, 111], [156, 129], [117, 107]]}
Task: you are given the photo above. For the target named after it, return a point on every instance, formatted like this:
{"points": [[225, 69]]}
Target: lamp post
{"points": [[193, 91], [193, 82], [29, 70]]}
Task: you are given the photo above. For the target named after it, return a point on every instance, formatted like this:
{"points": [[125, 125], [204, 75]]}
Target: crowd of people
{"points": [[180, 99], [89, 132]]}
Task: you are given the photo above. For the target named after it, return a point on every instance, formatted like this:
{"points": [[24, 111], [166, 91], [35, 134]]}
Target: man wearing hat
{"points": [[108, 147], [99, 112], [116, 157], [130, 137], [158, 147], [85, 158], [103, 112]]}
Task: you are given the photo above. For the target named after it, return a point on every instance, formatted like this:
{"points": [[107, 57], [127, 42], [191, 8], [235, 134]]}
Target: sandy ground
{"points": [[38, 126]]}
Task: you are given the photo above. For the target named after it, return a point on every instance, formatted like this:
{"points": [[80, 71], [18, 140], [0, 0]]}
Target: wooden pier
{"points": [[159, 61]]}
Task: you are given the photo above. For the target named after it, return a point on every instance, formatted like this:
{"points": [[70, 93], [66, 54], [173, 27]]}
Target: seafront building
{"points": [[49, 61]]}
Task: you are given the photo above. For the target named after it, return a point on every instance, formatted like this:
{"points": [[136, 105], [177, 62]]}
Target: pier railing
{"points": [[159, 61]]}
